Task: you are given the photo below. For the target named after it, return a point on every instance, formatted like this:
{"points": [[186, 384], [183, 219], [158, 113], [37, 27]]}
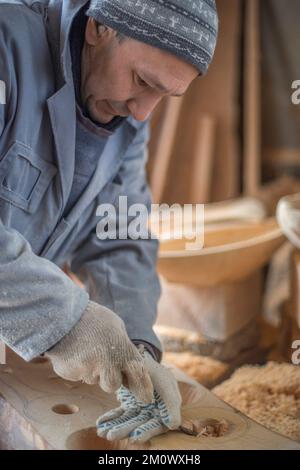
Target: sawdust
{"points": [[204, 370], [268, 394]]}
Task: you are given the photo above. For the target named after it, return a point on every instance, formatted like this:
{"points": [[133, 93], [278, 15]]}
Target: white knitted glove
{"points": [[98, 350], [139, 422], [288, 217]]}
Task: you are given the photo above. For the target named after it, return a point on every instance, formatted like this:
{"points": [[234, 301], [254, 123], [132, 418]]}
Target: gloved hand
{"points": [[140, 422], [288, 217], [98, 350]]}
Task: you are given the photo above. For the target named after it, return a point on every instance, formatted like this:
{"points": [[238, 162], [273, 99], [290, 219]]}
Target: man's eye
{"points": [[141, 82]]}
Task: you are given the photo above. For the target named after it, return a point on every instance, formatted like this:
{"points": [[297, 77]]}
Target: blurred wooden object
{"points": [[290, 310], [277, 285], [163, 145], [202, 157], [295, 286], [182, 349], [248, 209], [229, 254], [209, 362], [233, 349], [252, 100], [218, 290], [215, 312], [289, 332], [270, 193], [217, 96], [226, 212]]}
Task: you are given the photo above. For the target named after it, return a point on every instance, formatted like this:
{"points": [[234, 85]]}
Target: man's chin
{"points": [[99, 116], [103, 120]]}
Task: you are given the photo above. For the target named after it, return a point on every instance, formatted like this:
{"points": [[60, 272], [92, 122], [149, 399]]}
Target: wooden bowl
{"points": [[246, 209], [229, 254]]}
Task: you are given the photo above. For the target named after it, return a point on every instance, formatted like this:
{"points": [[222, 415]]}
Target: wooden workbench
{"points": [[38, 410]]}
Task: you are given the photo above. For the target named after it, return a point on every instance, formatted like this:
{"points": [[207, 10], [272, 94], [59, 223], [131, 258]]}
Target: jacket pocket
{"points": [[24, 177]]}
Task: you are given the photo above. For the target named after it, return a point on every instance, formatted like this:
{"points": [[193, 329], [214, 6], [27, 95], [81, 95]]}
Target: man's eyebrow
{"points": [[154, 83]]}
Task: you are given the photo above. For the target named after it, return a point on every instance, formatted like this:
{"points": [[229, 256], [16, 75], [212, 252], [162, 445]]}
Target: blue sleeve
{"points": [[39, 304]]}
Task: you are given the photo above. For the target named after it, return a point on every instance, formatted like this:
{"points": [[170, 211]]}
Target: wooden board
{"points": [[252, 100], [295, 285], [41, 411], [202, 158], [161, 149]]}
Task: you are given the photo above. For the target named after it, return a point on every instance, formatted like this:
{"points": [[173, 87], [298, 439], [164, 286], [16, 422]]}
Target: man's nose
{"points": [[141, 108]]}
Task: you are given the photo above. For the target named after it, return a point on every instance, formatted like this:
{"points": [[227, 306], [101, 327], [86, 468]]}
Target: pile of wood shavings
{"points": [[206, 370], [268, 394]]}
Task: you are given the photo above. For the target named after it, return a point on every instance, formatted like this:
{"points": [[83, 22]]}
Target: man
{"points": [[82, 79]]}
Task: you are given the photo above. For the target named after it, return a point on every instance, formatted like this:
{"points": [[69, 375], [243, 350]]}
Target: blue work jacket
{"points": [[39, 304]]}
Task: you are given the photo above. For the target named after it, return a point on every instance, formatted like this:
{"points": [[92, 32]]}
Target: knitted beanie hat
{"points": [[186, 28]]}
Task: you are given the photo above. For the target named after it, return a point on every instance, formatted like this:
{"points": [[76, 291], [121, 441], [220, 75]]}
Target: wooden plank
{"points": [[62, 415], [216, 95], [252, 100], [202, 157], [295, 286], [163, 147], [16, 432]]}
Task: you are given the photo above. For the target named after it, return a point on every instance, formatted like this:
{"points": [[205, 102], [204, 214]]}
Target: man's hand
{"points": [[98, 350], [138, 421]]}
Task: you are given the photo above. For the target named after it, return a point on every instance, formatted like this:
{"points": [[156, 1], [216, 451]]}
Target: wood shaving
{"points": [[205, 427]]}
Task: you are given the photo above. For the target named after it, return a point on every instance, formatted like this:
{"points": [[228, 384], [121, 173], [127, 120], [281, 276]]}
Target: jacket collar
{"points": [[60, 17], [62, 109]]}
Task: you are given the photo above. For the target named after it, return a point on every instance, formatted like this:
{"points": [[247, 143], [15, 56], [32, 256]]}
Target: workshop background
{"points": [[229, 313], [233, 142]]}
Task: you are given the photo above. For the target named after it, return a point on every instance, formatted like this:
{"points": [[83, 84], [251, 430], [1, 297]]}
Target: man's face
{"points": [[122, 78]]}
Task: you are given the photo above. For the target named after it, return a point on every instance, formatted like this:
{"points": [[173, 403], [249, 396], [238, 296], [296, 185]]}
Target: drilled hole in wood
{"points": [[39, 360], [87, 439], [213, 422], [65, 409]]}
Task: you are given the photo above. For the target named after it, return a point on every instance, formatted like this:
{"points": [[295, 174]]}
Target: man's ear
{"points": [[96, 33]]}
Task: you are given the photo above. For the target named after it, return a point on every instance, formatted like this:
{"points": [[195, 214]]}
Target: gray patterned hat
{"points": [[187, 28]]}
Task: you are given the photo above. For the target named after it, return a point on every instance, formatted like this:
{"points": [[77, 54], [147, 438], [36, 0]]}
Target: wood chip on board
{"points": [[205, 427]]}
